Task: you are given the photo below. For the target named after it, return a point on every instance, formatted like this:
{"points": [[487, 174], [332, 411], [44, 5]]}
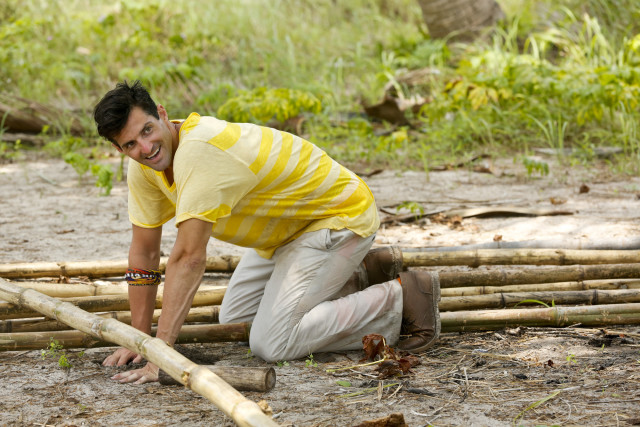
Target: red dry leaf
{"points": [[373, 345]]}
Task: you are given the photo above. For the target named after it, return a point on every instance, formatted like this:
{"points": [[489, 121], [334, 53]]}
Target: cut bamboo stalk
{"points": [[597, 315], [189, 334], [591, 297], [197, 378], [528, 275], [240, 378], [92, 269], [227, 263], [479, 257], [68, 290], [207, 314], [627, 243], [212, 296], [542, 287]]}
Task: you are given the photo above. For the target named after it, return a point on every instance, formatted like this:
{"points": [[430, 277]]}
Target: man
{"points": [[309, 222]]}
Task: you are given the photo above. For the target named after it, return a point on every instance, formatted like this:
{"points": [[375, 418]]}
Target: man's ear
{"points": [[117, 147], [162, 113]]}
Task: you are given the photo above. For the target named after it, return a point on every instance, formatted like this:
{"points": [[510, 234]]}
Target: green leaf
{"points": [[343, 383]]}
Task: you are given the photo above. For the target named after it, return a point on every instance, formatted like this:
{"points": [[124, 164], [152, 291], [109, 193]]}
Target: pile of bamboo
{"points": [[584, 287], [589, 287]]}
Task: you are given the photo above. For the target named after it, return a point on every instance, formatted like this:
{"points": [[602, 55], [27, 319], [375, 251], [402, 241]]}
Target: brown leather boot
{"points": [[420, 314], [378, 266]]}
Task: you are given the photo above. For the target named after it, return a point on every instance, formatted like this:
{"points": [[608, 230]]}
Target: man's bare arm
{"points": [[144, 253], [183, 275]]}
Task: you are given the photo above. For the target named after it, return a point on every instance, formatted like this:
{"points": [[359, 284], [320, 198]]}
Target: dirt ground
{"points": [[523, 376]]}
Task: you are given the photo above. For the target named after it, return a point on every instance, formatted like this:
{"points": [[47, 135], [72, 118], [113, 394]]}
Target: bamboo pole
{"points": [[227, 263], [189, 334], [206, 314], [212, 296], [479, 257], [197, 378], [240, 378], [70, 290], [591, 297], [628, 243], [597, 315], [527, 275], [93, 269], [542, 287]]}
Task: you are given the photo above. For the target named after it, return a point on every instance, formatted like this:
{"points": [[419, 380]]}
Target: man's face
{"points": [[147, 140]]}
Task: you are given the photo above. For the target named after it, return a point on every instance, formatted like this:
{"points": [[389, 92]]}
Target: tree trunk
{"points": [[459, 19]]}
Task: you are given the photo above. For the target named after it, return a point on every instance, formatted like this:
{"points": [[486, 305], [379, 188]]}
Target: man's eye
{"points": [[146, 130]]}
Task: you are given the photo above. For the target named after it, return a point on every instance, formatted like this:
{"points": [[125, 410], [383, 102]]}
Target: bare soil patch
{"points": [[530, 376]]}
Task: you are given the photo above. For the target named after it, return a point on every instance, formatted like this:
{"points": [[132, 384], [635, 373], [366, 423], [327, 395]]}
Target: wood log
{"points": [[93, 269], [479, 257], [596, 315], [207, 314], [542, 287], [212, 296], [528, 275], [502, 300], [240, 378], [189, 334], [197, 378]]}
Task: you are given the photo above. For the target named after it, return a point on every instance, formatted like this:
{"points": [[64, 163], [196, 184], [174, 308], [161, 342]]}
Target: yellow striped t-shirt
{"points": [[259, 187]]}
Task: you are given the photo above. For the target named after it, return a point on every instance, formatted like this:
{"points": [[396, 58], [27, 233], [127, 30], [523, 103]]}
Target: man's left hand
{"points": [[147, 374]]}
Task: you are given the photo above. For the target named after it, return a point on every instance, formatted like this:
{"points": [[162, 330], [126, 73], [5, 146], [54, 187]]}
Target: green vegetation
{"points": [[56, 351], [556, 74]]}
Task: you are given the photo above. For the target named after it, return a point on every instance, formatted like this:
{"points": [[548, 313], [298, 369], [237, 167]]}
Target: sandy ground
{"points": [[528, 376]]}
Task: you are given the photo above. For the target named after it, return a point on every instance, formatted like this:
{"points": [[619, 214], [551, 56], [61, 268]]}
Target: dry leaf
{"points": [[584, 188], [557, 200], [497, 238], [373, 345]]}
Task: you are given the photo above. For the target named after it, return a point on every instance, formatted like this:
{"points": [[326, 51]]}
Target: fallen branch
{"points": [[504, 277], [502, 300], [189, 334], [238, 377], [597, 315], [110, 303], [199, 379], [519, 257], [207, 314], [542, 287]]}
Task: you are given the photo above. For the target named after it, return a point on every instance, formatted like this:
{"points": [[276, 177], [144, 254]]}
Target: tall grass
{"points": [[560, 73]]}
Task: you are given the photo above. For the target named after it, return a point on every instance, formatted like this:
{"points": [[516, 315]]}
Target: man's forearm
{"points": [[142, 300], [183, 276]]}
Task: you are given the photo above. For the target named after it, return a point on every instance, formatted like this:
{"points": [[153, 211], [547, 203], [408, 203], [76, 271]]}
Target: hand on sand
{"points": [[122, 356], [138, 376]]}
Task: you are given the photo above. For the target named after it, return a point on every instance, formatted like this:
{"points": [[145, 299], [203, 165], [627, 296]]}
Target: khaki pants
{"points": [[291, 298]]}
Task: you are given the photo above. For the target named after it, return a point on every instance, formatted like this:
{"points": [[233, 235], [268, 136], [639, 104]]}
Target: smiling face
{"points": [[148, 140]]}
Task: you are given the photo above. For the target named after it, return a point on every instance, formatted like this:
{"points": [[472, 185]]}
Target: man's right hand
{"points": [[122, 356]]}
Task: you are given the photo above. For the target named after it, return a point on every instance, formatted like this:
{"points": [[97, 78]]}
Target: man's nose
{"points": [[145, 146]]}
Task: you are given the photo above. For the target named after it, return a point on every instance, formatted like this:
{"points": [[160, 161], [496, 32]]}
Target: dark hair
{"points": [[112, 112]]}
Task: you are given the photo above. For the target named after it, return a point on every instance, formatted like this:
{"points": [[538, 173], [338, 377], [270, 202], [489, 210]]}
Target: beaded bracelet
{"points": [[140, 277]]}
